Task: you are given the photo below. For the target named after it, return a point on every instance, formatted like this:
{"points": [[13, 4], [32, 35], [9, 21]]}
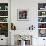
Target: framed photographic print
{"points": [[22, 14]]}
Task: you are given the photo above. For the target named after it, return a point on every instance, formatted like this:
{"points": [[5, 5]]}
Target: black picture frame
{"points": [[22, 15]]}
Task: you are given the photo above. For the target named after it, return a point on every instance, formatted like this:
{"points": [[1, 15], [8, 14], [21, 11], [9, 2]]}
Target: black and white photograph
{"points": [[22, 14]]}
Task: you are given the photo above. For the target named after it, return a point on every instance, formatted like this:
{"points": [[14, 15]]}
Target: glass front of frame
{"points": [[22, 14]]}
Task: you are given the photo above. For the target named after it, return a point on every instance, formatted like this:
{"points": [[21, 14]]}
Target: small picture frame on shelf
{"points": [[41, 13], [3, 19], [41, 6], [6, 7], [41, 25], [41, 19], [22, 15]]}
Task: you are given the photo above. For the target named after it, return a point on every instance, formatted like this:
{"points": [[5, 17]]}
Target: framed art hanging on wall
{"points": [[22, 14]]}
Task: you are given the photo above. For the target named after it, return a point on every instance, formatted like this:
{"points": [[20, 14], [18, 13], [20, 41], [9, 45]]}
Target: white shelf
{"points": [[41, 22], [3, 10], [42, 16], [41, 10], [3, 16], [41, 28], [3, 22]]}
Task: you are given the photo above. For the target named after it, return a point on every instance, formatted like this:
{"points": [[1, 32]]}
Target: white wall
{"points": [[32, 7]]}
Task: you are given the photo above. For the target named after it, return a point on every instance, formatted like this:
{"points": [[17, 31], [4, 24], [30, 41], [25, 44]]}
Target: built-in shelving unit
{"points": [[4, 19], [42, 19]]}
